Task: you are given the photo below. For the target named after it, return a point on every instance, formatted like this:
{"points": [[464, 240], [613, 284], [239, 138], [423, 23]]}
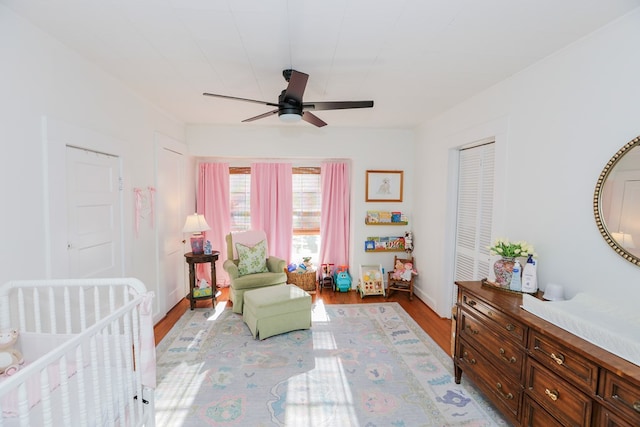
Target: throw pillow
{"points": [[252, 259]]}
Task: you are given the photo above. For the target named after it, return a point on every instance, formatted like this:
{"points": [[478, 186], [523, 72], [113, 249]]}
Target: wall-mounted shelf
{"points": [[385, 218], [387, 223], [384, 244]]}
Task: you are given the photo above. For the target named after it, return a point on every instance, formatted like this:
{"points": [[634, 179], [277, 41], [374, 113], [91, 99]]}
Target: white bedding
{"points": [[614, 326], [106, 417]]}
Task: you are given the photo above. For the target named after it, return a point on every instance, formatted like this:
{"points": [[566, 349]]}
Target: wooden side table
{"points": [[192, 260]]}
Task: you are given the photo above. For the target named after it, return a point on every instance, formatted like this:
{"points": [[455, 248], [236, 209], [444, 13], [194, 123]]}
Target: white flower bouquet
{"points": [[507, 249]]}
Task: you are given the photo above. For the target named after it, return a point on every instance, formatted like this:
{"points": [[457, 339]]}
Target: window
{"points": [[306, 208], [306, 213], [240, 195]]}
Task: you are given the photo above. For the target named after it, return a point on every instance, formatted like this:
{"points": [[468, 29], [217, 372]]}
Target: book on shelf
{"points": [[373, 217], [384, 216]]}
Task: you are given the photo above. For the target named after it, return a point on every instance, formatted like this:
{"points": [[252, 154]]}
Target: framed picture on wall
{"points": [[384, 186]]}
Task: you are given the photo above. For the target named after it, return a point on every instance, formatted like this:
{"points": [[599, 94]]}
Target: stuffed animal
{"points": [[398, 270], [10, 358], [408, 271], [408, 241]]}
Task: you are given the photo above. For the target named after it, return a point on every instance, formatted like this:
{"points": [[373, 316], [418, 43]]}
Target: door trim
{"points": [[164, 142], [56, 136]]}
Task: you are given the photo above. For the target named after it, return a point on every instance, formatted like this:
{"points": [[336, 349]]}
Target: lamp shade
{"points": [[195, 224], [290, 117]]}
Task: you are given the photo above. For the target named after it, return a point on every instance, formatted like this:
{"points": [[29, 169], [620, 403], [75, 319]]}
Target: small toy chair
{"points": [[326, 277], [398, 283]]}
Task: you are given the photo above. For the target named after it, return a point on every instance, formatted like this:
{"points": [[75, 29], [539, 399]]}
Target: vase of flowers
{"points": [[508, 252]]}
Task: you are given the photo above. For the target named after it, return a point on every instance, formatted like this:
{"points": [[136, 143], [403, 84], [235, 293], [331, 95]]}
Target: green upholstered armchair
{"points": [[239, 283]]}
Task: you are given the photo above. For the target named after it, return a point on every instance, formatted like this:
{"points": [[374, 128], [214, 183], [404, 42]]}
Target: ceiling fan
{"points": [[291, 108]]}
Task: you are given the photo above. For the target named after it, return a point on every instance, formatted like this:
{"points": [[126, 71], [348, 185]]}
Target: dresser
{"points": [[535, 373]]}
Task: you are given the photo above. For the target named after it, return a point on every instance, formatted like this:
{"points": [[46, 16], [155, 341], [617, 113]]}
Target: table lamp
{"points": [[196, 224]]}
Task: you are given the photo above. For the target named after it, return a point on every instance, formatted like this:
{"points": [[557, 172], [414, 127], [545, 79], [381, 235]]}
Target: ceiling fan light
{"points": [[290, 117]]}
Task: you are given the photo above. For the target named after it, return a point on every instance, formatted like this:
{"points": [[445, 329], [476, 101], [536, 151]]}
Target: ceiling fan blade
{"points": [[271, 104], [297, 85], [261, 116], [336, 105], [313, 119]]}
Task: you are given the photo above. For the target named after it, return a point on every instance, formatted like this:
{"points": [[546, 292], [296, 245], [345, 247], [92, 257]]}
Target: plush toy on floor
{"points": [[10, 358], [343, 279]]}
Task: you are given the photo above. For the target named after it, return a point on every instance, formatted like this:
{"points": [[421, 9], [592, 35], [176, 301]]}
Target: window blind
{"points": [[474, 212]]}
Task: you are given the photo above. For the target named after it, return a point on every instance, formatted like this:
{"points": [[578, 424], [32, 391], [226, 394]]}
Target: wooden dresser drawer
{"points": [[492, 381], [622, 395], [568, 364], [607, 418], [562, 400], [533, 415], [503, 323], [504, 353]]}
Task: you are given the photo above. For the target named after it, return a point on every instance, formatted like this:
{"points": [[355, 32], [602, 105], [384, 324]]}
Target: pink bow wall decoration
{"points": [[144, 207]]}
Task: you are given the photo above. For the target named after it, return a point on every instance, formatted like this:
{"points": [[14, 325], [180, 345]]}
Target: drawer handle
{"points": [[636, 406], [507, 396], [512, 359], [465, 356], [471, 302], [559, 359], [553, 394], [510, 327], [473, 331]]}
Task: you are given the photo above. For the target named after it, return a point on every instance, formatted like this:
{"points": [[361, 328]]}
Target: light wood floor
{"points": [[438, 328]]}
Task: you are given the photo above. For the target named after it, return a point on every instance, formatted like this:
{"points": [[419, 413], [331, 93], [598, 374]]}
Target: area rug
{"points": [[359, 365]]}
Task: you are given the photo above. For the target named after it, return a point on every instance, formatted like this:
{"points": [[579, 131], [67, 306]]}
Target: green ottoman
{"points": [[276, 309]]}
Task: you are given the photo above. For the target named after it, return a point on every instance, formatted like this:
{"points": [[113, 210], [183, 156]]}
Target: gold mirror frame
{"points": [[597, 202]]}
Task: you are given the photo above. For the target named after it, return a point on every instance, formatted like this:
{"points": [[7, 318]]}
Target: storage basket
{"points": [[305, 281]]}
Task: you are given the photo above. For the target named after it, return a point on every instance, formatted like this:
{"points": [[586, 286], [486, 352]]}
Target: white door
{"points": [[93, 214], [171, 217], [474, 213]]}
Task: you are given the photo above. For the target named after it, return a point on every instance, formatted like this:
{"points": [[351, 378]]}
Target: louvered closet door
{"points": [[475, 210]]}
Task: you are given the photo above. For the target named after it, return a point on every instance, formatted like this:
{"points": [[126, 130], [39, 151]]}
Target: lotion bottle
{"points": [[516, 280], [529, 276]]}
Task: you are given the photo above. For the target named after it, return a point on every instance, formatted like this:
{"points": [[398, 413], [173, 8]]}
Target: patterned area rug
{"points": [[359, 365]]}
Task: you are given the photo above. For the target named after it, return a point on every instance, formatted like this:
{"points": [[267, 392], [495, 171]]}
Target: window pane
{"points": [[306, 246], [306, 202], [240, 195]]}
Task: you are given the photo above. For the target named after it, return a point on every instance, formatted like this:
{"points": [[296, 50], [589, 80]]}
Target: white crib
{"points": [[89, 353]]}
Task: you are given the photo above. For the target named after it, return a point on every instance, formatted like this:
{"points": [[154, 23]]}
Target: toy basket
{"points": [[305, 281]]}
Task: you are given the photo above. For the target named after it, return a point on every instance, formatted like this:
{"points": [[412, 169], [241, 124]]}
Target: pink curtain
{"points": [[272, 205], [334, 217], [213, 202]]}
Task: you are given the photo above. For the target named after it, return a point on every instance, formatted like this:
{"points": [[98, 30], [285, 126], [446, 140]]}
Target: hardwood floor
{"points": [[438, 328]]}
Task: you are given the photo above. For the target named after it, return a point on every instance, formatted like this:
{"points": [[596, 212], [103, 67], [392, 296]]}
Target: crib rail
{"points": [[99, 374], [64, 305]]}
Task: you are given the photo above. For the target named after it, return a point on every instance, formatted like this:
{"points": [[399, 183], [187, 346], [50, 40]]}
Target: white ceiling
{"points": [[414, 58]]}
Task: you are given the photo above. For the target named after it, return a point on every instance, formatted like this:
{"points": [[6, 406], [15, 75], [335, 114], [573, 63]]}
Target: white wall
{"points": [[45, 85], [557, 124], [373, 149]]}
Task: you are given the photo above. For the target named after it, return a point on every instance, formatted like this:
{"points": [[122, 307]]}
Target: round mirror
{"points": [[616, 202]]}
